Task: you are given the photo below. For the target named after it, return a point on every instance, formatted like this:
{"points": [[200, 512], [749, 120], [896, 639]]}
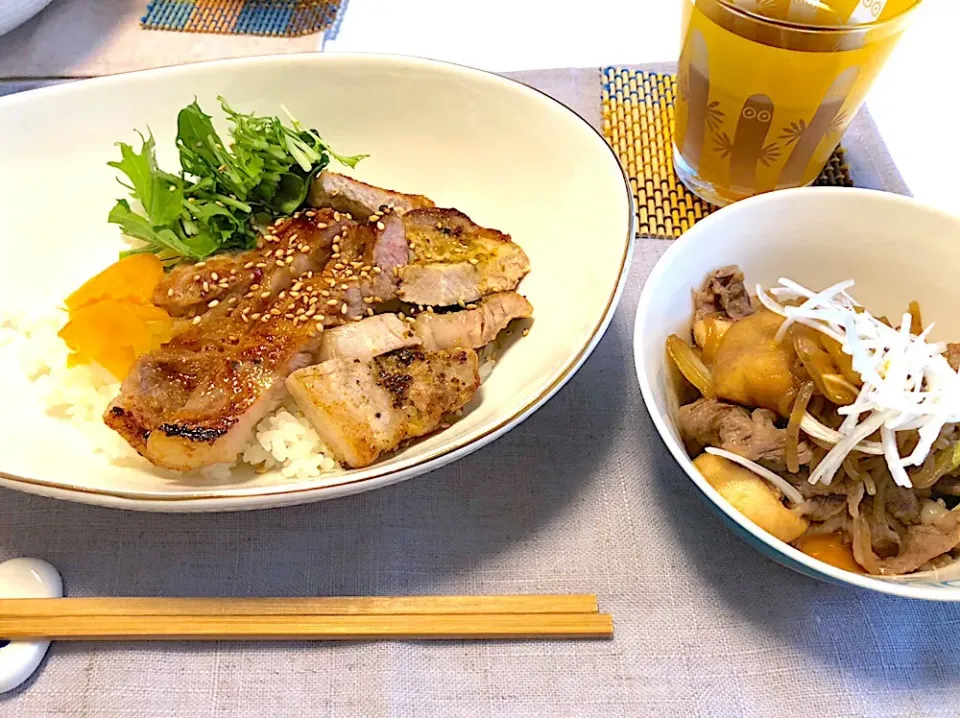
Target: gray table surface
{"points": [[582, 497]]}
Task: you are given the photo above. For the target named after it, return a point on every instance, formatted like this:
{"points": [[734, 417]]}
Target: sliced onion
{"points": [[793, 428]]}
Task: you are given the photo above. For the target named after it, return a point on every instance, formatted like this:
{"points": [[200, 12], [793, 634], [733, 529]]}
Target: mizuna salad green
{"points": [[224, 190]]}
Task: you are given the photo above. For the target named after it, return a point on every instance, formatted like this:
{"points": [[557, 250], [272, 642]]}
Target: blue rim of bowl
{"points": [[421, 464], [756, 537]]}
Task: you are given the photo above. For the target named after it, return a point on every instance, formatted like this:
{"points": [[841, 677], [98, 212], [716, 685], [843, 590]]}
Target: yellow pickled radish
{"points": [[112, 321], [133, 278]]}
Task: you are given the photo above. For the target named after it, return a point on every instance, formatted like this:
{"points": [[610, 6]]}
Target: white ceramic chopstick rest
{"points": [[25, 578]]}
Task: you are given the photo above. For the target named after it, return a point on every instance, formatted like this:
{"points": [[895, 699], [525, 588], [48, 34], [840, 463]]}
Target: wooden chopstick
{"points": [[335, 618], [341, 627], [326, 606]]}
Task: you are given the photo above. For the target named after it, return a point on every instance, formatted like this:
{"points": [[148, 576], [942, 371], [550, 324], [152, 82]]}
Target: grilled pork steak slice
{"points": [[368, 338], [187, 289], [195, 401], [364, 409], [471, 328], [456, 261], [359, 198]]}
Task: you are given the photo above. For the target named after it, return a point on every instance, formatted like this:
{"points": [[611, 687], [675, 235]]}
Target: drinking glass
{"points": [[762, 98]]}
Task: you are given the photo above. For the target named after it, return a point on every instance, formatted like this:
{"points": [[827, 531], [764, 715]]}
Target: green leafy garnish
{"points": [[223, 192]]}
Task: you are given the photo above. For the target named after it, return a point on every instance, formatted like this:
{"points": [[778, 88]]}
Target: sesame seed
{"points": [[206, 286], [331, 302], [196, 277], [369, 312], [336, 216], [214, 276], [261, 265], [324, 292], [254, 287], [282, 295], [233, 272], [170, 292], [473, 261], [232, 300], [279, 262], [526, 332], [363, 275], [232, 338], [322, 225], [338, 265], [377, 270], [373, 217], [255, 316], [213, 303], [439, 225], [275, 311], [310, 274], [343, 308], [296, 286], [310, 213], [288, 316], [265, 318], [331, 283], [381, 226], [368, 300], [278, 253], [289, 260], [349, 216], [245, 318], [196, 320], [335, 255], [293, 237], [344, 286], [264, 295], [248, 265], [356, 265], [301, 310]]}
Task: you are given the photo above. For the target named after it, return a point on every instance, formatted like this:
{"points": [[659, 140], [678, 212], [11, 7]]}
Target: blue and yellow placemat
{"points": [[638, 108], [280, 18]]}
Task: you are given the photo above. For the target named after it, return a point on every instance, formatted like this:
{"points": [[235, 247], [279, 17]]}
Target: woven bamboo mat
{"points": [[279, 18], [638, 108]]}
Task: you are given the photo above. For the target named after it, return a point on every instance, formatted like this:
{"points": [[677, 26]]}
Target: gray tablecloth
{"points": [[582, 497]]}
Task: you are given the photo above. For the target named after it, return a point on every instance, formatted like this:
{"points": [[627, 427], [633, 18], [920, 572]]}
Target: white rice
{"points": [[284, 440]]}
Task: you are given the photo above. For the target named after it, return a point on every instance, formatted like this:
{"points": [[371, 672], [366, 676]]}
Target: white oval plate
{"points": [[507, 155]]}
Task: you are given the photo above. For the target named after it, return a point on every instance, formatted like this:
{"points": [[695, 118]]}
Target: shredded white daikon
{"points": [[785, 487], [908, 385], [826, 435]]}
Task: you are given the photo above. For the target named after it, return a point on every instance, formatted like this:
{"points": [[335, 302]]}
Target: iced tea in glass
{"points": [[761, 101]]}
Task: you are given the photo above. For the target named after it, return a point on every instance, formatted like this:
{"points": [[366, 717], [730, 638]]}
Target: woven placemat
{"points": [[280, 18], [638, 108]]}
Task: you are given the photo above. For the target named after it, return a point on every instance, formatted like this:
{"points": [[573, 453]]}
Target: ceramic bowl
{"points": [[895, 248], [507, 155]]}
